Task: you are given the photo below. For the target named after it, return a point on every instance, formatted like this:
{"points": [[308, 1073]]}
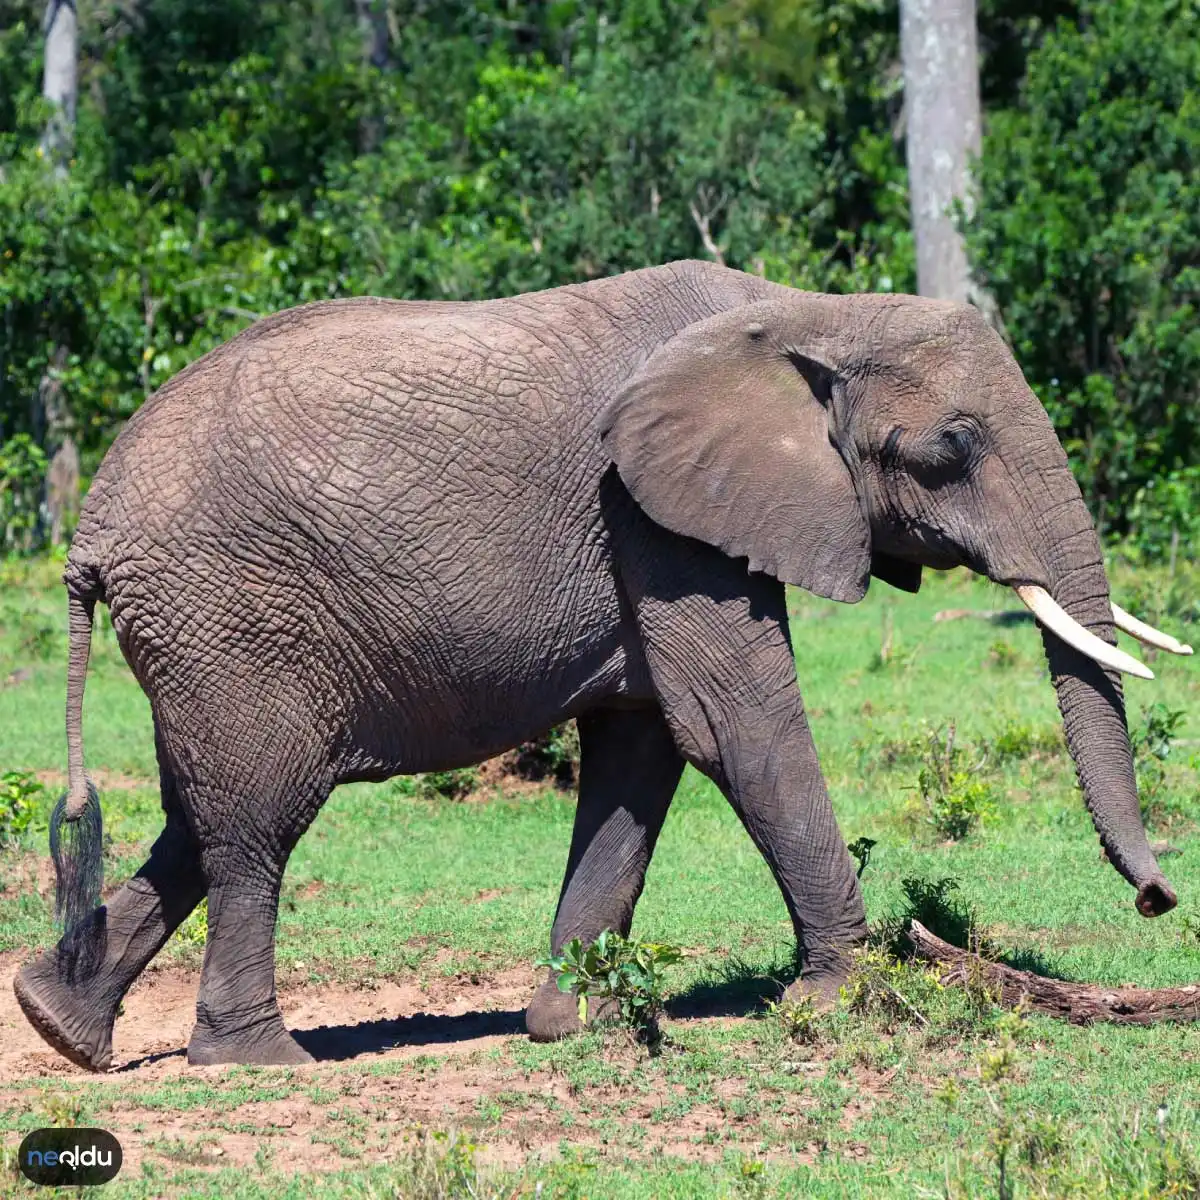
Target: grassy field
{"points": [[409, 927]]}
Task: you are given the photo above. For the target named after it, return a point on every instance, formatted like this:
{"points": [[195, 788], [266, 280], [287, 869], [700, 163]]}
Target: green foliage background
{"points": [[233, 158]]}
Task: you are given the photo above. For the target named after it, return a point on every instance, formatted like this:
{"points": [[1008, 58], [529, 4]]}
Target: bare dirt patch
{"points": [[395, 1022], [404, 1056], [33, 874], [395, 1019]]}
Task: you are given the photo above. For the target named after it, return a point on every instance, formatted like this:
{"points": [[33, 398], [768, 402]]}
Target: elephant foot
{"points": [[820, 989], [553, 1015], [260, 1043], [67, 1018]]}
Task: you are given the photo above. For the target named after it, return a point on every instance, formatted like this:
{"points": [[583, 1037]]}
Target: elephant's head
{"points": [[828, 438]]}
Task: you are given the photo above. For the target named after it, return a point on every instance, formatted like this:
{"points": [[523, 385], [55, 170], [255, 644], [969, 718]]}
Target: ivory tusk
{"points": [[1058, 621], [1147, 633]]}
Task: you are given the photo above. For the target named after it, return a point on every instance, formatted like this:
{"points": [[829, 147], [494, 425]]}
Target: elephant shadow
{"points": [[738, 990], [337, 1043]]}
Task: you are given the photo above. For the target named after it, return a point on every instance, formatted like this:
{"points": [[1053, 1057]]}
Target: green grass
{"points": [[388, 884]]}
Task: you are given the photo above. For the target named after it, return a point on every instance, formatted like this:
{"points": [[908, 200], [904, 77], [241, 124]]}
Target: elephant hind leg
{"points": [[237, 1013], [75, 1014], [629, 769]]}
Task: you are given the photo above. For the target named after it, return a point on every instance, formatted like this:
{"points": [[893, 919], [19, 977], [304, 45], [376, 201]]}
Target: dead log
{"points": [[1079, 1003], [996, 616]]}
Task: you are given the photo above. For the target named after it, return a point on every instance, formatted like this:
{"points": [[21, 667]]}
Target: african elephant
{"points": [[373, 537]]}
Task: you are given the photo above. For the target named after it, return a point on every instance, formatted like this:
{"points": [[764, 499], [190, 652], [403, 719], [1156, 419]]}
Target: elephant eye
{"points": [[958, 444], [944, 456]]}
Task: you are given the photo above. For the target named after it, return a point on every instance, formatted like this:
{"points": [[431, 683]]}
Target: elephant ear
{"points": [[725, 435]]}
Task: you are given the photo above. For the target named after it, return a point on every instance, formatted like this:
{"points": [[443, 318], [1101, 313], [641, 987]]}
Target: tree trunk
{"points": [[942, 116], [373, 23], [59, 80], [60, 498]]}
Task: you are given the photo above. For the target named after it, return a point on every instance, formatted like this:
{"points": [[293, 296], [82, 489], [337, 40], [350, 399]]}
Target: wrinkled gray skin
{"points": [[371, 537]]}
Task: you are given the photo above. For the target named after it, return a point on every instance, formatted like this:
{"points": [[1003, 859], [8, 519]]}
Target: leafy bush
{"points": [[954, 797], [447, 785], [627, 971], [799, 1020], [22, 465], [938, 905], [1088, 235], [889, 990], [1003, 655], [554, 755], [192, 934], [1015, 742], [1152, 739], [17, 808]]}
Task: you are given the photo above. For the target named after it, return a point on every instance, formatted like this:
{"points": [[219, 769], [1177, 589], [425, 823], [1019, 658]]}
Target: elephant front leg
{"points": [[716, 641], [769, 772], [758, 749], [629, 769]]}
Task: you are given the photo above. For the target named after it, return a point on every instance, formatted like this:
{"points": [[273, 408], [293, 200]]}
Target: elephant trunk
{"points": [[1093, 712]]}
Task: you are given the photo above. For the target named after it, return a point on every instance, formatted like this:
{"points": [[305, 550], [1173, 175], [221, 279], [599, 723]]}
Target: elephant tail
{"points": [[76, 828]]}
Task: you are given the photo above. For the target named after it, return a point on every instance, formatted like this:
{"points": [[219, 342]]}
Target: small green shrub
{"points": [[627, 971], [17, 808], [1152, 740], [955, 798], [860, 850], [63, 1111], [1015, 742], [1003, 656], [1040, 1155], [447, 785], [1157, 731], [435, 1165], [192, 934], [940, 907], [22, 467], [798, 1020], [554, 755], [998, 1067], [890, 991]]}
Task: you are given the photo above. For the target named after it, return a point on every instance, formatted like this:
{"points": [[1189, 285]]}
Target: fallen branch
{"points": [[997, 616], [1079, 1003]]}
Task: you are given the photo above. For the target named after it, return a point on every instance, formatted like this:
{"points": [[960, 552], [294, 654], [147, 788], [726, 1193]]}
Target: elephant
{"points": [[372, 537]]}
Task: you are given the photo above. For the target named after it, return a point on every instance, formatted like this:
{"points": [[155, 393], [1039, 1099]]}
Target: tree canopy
{"points": [[233, 158]]}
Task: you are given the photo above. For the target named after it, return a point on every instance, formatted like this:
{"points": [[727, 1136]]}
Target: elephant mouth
{"points": [[1155, 897]]}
